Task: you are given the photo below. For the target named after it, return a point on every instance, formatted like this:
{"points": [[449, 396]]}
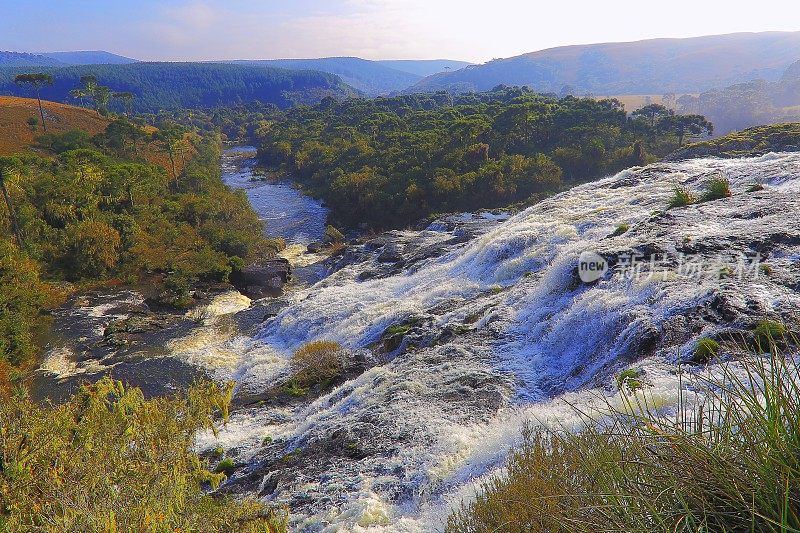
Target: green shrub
{"points": [[756, 187], [767, 332], [706, 350], [733, 464], [397, 329], [681, 197], [110, 460], [716, 189], [621, 230], [630, 380], [225, 466], [58, 143]]}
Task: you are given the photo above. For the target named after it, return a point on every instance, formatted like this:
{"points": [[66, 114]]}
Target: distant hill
{"points": [[424, 67], [792, 73], [753, 103], [22, 59], [169, 86], [654, 66], [373, 78], [90, 57], [370, 77]]}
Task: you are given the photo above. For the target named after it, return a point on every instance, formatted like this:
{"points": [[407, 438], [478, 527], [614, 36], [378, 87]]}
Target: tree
{"points": [[686, 125], [652, 113], [5, 173], [36, 81], [169, 138], [90, 88], [127, 101]]}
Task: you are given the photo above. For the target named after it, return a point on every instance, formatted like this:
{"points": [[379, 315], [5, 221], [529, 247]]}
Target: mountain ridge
{"points": [[649, 66]]}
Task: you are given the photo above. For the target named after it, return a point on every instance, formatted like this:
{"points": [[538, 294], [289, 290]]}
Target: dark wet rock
{"points": [[392, 253], [314, 248], [273, 274], [136, 324]]}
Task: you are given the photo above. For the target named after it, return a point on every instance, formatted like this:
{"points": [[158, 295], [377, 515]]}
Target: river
{"points": [[284, 209], [496, 332]]}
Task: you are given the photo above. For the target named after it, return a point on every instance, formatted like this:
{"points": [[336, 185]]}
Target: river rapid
{"points": [[498, 330]]}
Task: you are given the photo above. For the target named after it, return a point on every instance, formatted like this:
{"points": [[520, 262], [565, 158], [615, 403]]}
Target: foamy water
{"points": [[542, 343]]}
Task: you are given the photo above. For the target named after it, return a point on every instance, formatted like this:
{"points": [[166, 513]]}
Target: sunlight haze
{"points": [[372, 29]]}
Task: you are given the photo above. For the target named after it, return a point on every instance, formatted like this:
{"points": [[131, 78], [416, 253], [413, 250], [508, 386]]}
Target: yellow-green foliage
{"points": [[110, 460], [706, 350], [316, 363], [86, 215], [22, 294], [734, 467]]}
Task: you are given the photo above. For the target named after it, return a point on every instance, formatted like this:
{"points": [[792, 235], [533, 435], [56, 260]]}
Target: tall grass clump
{"points": [[716, 189], [110, 460], [730, 462], [316, 363], [681, 197]]}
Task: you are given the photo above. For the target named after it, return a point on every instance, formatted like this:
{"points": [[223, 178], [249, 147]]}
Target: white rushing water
{"points": [[441, 417]]}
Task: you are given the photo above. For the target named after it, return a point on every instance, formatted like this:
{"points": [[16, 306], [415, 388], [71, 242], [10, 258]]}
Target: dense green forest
{"points": [[389, 162], [172, 86], [93, 211]]}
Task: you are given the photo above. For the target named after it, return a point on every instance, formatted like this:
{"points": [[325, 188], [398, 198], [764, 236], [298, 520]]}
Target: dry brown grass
{"points": [[17, 137], [316, 363], [729, 462]]}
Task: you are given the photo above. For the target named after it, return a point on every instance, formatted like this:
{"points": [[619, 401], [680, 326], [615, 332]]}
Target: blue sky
{"points": [[375, 29]]}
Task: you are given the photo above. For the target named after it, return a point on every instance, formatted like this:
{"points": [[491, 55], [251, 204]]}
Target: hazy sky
{"points": [[374, 29]]}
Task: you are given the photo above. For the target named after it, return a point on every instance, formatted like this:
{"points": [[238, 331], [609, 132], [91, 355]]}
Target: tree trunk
{"points": [[11, 213], [41, 111], [172, 160]]}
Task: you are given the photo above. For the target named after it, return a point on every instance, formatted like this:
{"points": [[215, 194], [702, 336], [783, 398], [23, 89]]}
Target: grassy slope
{"points": [[16, 135], [750, 142]]}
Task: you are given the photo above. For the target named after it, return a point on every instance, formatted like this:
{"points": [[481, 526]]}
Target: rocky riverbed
{"points": [[460, 333]]}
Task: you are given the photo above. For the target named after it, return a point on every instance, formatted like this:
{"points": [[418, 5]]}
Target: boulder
{"points": [[391, 254], [272, 274]]}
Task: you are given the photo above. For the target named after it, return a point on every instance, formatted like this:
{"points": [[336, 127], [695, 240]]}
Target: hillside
{"points": [[749, 104], [369, 77], [423, 67], [170, 86], [748, 143], [16, 136], [22, 59], [89, 57], [654, 66], [373, 78]]}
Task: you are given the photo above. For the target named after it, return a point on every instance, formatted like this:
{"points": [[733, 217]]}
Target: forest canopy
{"points": [[172, 86], [389, 162]]}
